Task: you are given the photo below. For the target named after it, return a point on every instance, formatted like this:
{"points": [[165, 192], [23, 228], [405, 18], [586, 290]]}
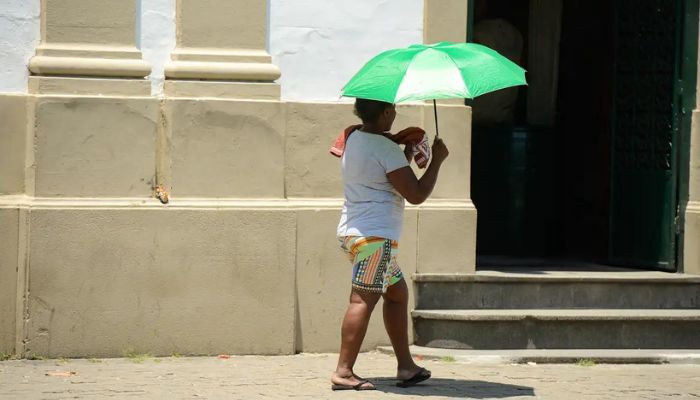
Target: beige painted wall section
{"points": [[13, 114], [98, 22], [311, 171], [94, 147], [312, 128], [9, 243], [323, 282], [446, 239], [226, 148], [445, 20], [691, 256], [161, 281], [694, 188], [235, 24], [455, 130]]}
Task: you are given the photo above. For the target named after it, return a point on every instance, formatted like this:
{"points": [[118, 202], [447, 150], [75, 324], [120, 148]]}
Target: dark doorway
{"points": [[599, 182]]}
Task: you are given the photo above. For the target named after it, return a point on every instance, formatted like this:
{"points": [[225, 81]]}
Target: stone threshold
{"points": [[569, 314], [584, 357], [535, 276]]}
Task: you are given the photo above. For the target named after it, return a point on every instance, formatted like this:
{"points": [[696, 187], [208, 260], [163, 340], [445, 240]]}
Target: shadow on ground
{"points": [[457, 388]]}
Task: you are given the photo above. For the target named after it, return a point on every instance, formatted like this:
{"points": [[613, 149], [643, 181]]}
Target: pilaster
{"points": [[87, 39], [222, 42]]}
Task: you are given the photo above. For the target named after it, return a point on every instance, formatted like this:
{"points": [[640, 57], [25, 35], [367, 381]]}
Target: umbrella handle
{"points": [[437, 133]]}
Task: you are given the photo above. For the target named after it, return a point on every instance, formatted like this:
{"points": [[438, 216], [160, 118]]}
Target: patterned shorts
{"points": [[374, 266]]}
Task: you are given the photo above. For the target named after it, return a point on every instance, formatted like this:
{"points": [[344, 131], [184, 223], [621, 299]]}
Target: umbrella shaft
{"points": [[437, 133]]}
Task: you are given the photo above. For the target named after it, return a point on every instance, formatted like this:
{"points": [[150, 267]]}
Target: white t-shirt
{"points": [[372, 206]]}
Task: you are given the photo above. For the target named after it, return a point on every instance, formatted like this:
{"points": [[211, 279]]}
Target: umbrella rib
{"points": [[457, 67]]}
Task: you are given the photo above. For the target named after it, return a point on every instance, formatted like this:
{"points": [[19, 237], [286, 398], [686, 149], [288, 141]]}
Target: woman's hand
{"points": [[408, 152], [440, 151]]}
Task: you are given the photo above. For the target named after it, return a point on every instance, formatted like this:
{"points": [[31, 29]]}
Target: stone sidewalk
{"points": [[306, 376]]}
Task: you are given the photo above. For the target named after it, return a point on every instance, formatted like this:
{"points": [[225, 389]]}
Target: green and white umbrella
{"points": [[434, 71]]}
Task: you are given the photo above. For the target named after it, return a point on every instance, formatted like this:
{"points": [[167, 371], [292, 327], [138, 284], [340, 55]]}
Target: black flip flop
{"points": [[357, 387], [420, 376]]}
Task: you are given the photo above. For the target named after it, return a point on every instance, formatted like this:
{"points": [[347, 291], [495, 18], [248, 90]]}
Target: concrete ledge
{"points": [[22, 201], [560, 315], [547, 356], [222, 89], [50, 85], [568, 276]]}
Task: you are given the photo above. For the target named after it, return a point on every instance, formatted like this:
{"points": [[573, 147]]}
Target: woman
{"points": [[377, 178]]}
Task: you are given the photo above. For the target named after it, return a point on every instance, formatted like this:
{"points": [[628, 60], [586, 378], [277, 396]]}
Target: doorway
{"points": [[584, 166]]}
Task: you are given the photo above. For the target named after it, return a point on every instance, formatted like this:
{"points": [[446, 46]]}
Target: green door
{"points": [[654, 95]]}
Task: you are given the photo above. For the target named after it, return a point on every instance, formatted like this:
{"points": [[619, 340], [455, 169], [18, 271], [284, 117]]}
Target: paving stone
{"points": [[306, 376]]}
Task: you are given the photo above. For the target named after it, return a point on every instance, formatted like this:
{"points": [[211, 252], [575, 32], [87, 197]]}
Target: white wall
{"points": [[318, 44], [19, 34], [157, 29]]}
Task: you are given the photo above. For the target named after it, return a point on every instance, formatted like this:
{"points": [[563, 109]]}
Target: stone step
{"points": [[558, 329], [555, 356], [512, 290]]}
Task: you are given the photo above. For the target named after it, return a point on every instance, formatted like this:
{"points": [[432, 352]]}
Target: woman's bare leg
{"points": [[352, 334], [396, 324]]}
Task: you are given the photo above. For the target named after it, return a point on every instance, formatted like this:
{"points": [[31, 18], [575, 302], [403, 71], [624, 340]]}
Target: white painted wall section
{"points": [[157, 29], [320, 44], [19, 36]]}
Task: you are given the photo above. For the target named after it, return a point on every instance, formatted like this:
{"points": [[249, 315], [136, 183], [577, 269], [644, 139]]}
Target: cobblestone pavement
{"points": [[306, 376]]}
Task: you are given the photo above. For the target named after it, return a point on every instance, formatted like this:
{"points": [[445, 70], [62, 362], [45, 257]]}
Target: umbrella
{"points": [[434, 71]]}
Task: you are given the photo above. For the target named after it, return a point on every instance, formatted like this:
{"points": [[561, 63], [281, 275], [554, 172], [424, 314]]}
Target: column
{"points": [[221, 51], [87, 38]]}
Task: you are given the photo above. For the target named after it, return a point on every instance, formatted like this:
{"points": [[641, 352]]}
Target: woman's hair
{"points": [[370, 110]]}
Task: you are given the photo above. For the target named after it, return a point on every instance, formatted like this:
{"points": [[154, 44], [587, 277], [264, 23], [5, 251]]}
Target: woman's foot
{"points": [[411, 376], [350, 382]]}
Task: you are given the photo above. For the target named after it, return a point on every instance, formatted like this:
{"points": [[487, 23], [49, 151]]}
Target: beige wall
{"points": [[445, 20], [9, 248], [246, 244], [191, 281], [94, 147], [691, 248], [323, 277], [13, 128], [226, 148], [243, 259]]}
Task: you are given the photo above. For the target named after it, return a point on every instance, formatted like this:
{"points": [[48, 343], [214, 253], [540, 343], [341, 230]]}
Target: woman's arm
{"points": [[415, 190]]}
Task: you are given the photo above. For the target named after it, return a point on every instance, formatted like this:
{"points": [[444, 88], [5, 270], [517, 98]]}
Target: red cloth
{"points": [[412, 136]]}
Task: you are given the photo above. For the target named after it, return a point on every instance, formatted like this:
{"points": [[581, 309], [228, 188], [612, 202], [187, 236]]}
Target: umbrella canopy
{"points": [[434, 71]]}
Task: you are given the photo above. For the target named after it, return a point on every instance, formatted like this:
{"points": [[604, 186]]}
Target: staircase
{"points": [[557, 309]]}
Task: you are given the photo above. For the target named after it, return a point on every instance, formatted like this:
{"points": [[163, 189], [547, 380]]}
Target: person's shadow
{"points": [[457, 388]]}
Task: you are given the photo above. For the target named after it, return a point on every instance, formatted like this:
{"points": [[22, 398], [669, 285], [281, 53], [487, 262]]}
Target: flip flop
{"points": [[357, 387], [420, 376]]}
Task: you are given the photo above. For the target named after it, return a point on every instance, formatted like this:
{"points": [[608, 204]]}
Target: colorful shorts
{"points": [[374, 266]]}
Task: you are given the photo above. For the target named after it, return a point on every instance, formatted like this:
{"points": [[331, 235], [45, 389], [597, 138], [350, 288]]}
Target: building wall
{"points": [[243, 257], [318, 51]]}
